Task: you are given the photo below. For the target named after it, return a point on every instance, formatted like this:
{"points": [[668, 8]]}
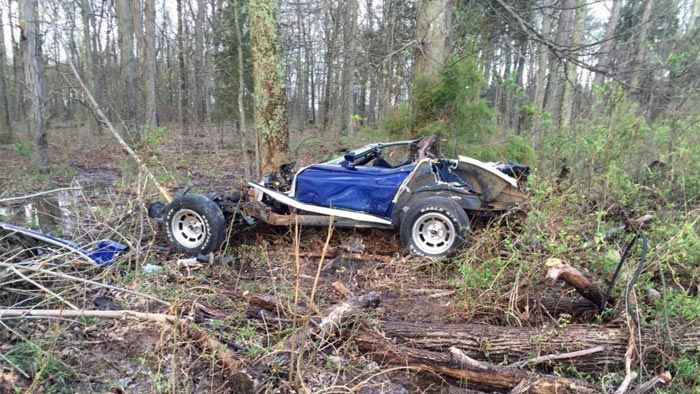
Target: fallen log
{"points": [[456, 364], [249, 379], [498, 345]]}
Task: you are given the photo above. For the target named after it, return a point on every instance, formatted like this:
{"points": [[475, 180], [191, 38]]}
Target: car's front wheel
{"points": [[194, 225], [434, 227]]}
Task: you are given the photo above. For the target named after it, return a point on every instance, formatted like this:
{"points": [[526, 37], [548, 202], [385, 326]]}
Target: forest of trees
{"points": [[526, 68]]}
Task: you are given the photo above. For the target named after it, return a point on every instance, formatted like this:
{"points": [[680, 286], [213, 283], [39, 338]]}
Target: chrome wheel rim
{"points": [[188, 228], [434, 233]]}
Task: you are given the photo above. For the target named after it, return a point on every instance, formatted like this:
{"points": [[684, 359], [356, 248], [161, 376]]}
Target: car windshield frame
{"points": [[368, 149]]}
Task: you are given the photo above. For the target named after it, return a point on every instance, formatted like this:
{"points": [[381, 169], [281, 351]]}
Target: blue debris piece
{"points": [[104, 252]]}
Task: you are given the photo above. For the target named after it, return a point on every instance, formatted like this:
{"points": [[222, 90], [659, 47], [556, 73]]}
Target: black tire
{"points": [[434, 227], [195, 225]]}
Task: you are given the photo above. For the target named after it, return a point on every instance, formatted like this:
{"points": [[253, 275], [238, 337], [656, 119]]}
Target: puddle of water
{"points": [[58, 213]]}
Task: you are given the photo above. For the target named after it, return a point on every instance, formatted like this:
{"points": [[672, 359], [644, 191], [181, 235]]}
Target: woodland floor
{"points": [[93, 355]]}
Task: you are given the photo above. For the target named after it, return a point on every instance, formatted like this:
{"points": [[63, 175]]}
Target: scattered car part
{"points": [[103, 252], [194, 224]]}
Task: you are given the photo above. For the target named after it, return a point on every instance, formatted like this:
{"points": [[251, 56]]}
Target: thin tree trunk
{"points": [[150, 120], [299, 94], [569, 86], [387, 67], [33, 70], [183, 103], [270, 106], [541, 74], [557, 77], [5, 122], [18, 107], [239, 95], [603, 64], [348, 71], [125, 27], [641, 39], [200, 104]]}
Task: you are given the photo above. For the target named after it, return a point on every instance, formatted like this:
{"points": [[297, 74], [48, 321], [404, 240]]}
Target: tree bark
{"points": [[150, 120], [200, 88], [183, 102], [348, 71], [458, 365], [125, 27], [541, 73], [571, 82], [433, 23], [34, 73], [270, 105], [5, 122], [496, 344], [557, 76], [640, 54], [239, 99], [603, 64]]}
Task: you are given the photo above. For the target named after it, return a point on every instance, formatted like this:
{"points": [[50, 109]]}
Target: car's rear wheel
{"points": [[434, 227], [194, 225]]}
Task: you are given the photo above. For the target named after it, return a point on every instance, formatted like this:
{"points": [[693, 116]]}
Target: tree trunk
{"points": [[125, 27], [270, 106], [603, 64], [458, 365], [18, 107], [183, 102], [541, 74], [239, 95], [387, 65], [348, 71], [34, 73], [569, 85], [557, 77], [150, 120], [5, 122], [496, 344], [89, 68], [640, 55], [433, 23], [200, 103]]}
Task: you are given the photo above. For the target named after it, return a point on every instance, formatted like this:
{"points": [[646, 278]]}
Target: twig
{"points": [[42, 287], [321, 260], [121, 314], [28, 196], [560, 356], [88, 281]]}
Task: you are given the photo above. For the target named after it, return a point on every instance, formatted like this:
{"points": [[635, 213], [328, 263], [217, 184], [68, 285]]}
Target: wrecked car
{"points": [[400, 186]]}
